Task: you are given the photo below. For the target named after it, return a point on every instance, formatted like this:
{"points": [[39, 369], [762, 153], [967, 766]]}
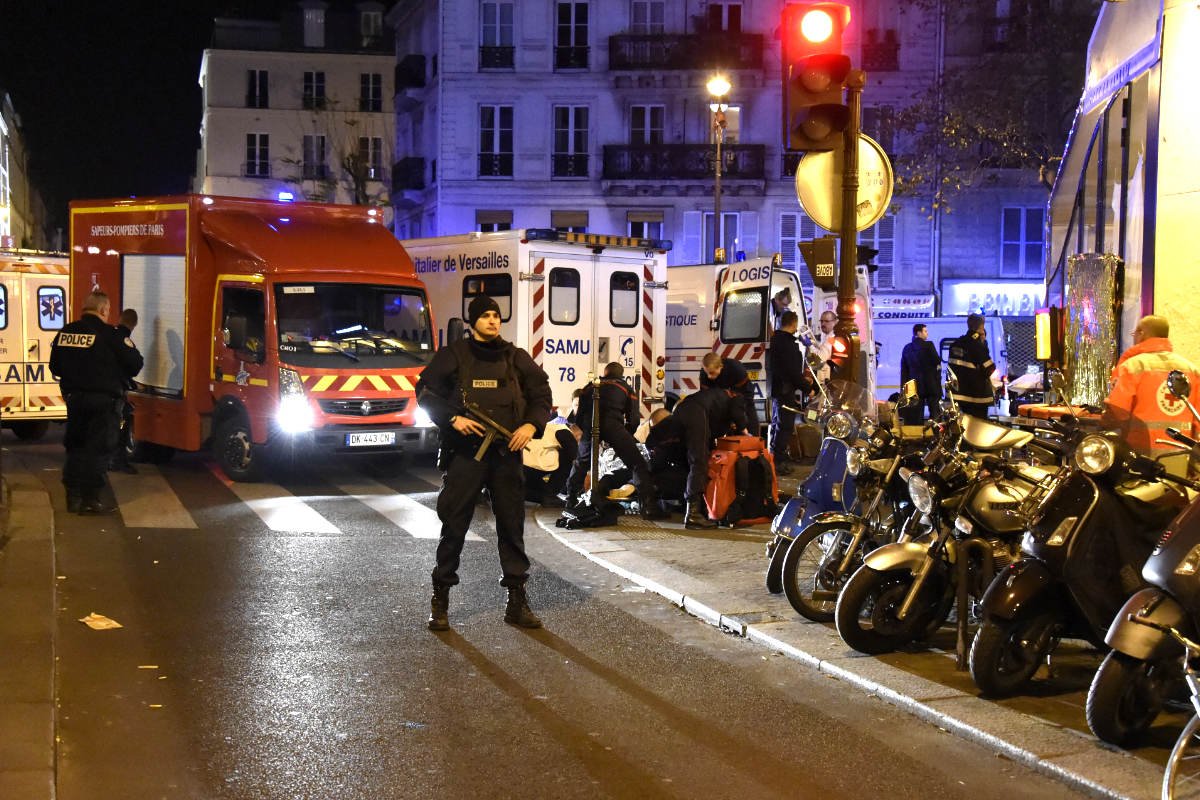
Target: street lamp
{"points": [[718, 86]]}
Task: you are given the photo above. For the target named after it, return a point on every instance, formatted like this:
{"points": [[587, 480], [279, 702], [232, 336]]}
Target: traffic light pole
{"points": [[856, 79]]}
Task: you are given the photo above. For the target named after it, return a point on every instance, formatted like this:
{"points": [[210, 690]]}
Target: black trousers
{"points": [[625, 446], [502, 473], [783, 422], [975, 409], [697, 442], [120, 456], [916, 413], [93, 420]]}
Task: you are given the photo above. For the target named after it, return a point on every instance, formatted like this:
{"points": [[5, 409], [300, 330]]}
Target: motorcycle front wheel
{"points": [[1125, 697], [811, 565], [1005, 654], [866, 610], [1182, 778]]}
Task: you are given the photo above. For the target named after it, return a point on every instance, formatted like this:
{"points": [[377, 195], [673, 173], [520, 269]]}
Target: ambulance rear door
{"points": [[43, 315]]}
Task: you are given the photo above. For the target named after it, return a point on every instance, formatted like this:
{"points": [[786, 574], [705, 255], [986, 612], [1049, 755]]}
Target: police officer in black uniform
{"points": [[92, 362], [729, 373], [972, 365], [619, 418], [788, 374], [513, 391], [697, 420]]}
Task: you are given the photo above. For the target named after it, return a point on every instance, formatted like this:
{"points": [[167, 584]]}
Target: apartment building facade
{"points": [[300, 106], [24, 220]]}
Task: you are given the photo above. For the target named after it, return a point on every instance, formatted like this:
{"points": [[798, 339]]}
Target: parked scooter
{"points": [[1132, 682], [831, 548], [904, 591], [1083, 551], [845, 409]]}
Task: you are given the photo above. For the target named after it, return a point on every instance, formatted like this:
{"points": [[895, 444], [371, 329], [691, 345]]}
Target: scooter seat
{"points": [[987, 437]]}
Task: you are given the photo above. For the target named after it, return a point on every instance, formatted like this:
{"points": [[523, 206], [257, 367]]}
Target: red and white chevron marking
{"points": [[648, 365], [537, 334]]}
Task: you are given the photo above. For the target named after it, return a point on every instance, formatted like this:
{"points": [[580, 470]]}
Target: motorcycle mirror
{"points": [[1178, 384]]}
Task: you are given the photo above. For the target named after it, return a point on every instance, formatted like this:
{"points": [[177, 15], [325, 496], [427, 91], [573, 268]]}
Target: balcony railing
{"points": [[314, 172], [790, 162], [313, 102], [410, 72], [497, 57], [408, 174], [498, 165], [686, 51], [370, 104], [569, 165], [881, 51], [683, 162], [571, 57], [256, 169]]}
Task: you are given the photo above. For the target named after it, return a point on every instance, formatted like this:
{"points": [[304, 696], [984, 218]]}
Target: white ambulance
{"points": [[33, 308], [894, 332], [726, 308], [574, 301]]}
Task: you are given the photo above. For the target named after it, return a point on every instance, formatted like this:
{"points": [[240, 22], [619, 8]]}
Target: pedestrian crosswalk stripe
{"points": [[404, 511], [281, 510], [147, 500]]}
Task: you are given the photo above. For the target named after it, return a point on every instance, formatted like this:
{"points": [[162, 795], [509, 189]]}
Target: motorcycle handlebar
{"points": [[1180, 436]]}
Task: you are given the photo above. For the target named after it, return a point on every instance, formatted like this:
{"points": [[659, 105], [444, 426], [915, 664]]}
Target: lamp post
{"points": [[718, 86]]}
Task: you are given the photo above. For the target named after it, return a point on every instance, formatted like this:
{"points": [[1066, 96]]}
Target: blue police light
{"points": [[351, 329], [286, 197], [740, 255]]}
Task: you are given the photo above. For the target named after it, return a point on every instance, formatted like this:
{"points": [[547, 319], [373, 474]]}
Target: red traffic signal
{"points": [[814, 69], [843, 352]]}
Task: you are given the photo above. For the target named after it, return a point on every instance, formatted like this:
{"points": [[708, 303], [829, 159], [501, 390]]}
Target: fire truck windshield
{"points": [[331, 324]]}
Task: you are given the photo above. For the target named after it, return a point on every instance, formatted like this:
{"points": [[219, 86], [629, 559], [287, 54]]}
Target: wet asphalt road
{"points": [[264, 663]]}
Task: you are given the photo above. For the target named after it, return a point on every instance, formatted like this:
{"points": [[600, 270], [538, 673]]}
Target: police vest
{"points": [[493, 384]]}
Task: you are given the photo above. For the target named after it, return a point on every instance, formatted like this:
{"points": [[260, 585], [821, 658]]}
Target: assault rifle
{"points": [[494, 429]]}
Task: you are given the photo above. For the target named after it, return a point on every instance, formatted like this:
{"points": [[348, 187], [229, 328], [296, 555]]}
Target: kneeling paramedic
{"points": [[489, 399]]}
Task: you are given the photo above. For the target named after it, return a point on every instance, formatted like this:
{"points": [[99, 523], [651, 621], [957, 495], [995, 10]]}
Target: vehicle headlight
{"points": [[1095, 454], [290, 382], [921, 494], [1191, 563], [839, 425], [854, 461], [421, 419], [295, 414]]}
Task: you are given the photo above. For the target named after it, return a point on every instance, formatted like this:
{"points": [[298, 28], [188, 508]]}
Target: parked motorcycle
{"points": [[904, 591], [843, 411], [1087, 542], [831, 548], [1133, 681]]}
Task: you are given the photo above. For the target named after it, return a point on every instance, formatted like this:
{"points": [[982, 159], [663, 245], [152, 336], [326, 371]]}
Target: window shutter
{"points": [[692, 231], [787, 239], [748, 230]]}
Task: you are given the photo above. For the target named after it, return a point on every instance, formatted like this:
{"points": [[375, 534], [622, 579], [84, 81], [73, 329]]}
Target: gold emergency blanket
{"points": [[1091, 338]]}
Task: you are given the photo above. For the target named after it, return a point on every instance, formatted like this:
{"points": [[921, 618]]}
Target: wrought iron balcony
{"points": [[571, 57], [408, 174], [569, 165], [317, 172], [496, 165], [410, 72], [685, 51], [497, 56], [683, 162]]}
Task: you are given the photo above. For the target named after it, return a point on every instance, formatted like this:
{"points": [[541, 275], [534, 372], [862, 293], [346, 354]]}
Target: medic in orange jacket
{"points": [[1139, 405]]}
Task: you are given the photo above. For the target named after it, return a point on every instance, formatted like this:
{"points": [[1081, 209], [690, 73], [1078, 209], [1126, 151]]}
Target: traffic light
{"points": [[839, 357], [814, 69]]}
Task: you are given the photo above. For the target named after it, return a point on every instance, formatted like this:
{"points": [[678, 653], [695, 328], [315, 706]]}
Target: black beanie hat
{"points": [[479, 306]]}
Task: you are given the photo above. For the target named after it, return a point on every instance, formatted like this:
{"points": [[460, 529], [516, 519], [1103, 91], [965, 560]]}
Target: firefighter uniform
{"points": [[733, 376], [92, 362], [505, 382], [1139, 405], [619, 416], [972, 365]]}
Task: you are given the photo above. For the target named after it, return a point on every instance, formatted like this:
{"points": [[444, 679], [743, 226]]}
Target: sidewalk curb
{"points": [[734, 625]]}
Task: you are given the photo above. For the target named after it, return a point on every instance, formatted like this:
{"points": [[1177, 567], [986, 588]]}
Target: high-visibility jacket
{"points": [[972, 365], [1140, 406]]}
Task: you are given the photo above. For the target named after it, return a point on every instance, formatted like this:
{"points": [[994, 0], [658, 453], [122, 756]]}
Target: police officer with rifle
{"points": [[489, 399], [93, 362]]}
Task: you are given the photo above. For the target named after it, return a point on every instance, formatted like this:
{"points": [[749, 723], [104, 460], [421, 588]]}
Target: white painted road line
{"points": [[281, 510], [146, 500], [403, 511]]}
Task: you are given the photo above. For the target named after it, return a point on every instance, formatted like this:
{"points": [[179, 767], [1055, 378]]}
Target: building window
{"points": [[497, 286], [496, 44], [729, 234], [313, 164], [370, 150], [725, 17], [570, 158], [370, 91], [569, 221], [646, 124], [879, 122], [496, 141], [258, 156], [256, 88], [733, 125], [1022, 241], [564, 296], [371, 27], [795, 227], [314, 27], [571, 37], [623, 299], [644, 224], [882, 238], [487, 221], [313, 96], [646, 17]]}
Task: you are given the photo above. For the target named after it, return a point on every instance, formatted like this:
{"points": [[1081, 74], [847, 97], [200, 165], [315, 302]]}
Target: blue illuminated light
{"points": [[351, 329], [285, 219], [286, 197]]}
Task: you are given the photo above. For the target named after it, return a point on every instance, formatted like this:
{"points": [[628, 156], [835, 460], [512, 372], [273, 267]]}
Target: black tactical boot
{"points": [[439, 609], [696, 517], [652, 509], [92, 504], [517, 612], [74, 501]]}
